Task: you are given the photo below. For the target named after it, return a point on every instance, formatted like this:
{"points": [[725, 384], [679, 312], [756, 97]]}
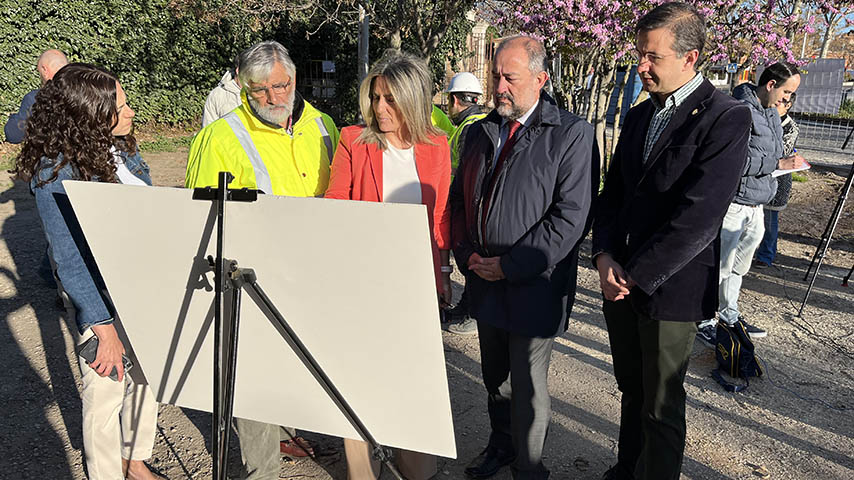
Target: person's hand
{"points": [[110, 350], [615, 283], [445, 295], [488, 268], [473, 260], [791, 162]]}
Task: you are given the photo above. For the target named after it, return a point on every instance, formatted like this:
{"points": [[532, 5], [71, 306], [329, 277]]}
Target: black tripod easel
{"points": [[229, 276], [823, 245]]}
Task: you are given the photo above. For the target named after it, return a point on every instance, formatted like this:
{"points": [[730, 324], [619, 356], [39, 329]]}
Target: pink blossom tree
{"points": [[596, 36], [592, 37]]}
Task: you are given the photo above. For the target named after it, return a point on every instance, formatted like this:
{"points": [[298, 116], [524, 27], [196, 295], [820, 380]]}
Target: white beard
{"points": [[275, 114]]}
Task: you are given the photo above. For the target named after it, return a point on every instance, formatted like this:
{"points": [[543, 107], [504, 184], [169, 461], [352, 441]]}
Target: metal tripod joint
{"points": [[381, 453], [241, 276]]}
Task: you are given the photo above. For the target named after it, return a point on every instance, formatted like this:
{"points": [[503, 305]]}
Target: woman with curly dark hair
{"points": [[80, 129]]}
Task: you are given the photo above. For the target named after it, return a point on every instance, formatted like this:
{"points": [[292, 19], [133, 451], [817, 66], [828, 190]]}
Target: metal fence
{"points": [[835, 134]]}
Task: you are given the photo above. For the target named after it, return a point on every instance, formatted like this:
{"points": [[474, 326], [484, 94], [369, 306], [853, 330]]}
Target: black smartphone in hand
{"points": [[88, 351]]}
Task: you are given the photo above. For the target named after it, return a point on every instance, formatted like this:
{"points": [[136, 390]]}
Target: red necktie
{"points": [[496, 170]]}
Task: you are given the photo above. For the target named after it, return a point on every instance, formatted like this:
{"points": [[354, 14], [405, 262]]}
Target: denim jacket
{"points": [[75, 265]]}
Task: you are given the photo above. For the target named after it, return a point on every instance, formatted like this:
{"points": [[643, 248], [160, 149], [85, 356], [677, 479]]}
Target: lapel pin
{"points": [[695, 112]]}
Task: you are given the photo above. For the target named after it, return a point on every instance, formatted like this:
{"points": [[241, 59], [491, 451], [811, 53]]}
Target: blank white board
{"points": [[354, 280]]}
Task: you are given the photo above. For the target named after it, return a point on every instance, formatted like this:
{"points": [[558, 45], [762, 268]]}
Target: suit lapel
{"points": [[375, 158], [632, 164], [692, 106], [422, 166]]}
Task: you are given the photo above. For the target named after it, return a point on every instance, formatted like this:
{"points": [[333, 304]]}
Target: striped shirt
{"points": [[663, 113]]}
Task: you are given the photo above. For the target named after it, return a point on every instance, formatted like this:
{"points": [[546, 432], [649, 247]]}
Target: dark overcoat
{"points": [[537, 217]]}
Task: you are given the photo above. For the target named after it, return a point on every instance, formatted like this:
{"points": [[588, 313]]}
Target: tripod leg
{"points": [[219, 451], [831, 227], [230, 369], [845, 280], [823, 251], [825, 237], [848, 138], [379, 452]]}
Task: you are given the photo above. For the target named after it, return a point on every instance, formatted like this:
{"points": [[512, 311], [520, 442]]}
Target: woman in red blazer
{"points": [[397, 157]]}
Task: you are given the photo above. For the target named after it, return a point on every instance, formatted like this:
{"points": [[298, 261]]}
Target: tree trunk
{"points": [[825, 42], [603, 94], [568, 85], [796, 13], [555, 74], [578, 88], [592, 95], [733, 80], [830, 21], [615, 130], [395, 38], [364, 35]]}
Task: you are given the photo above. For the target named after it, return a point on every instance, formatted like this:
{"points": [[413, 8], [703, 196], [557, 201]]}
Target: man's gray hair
{"points": [[256, 62], [536, 51]]}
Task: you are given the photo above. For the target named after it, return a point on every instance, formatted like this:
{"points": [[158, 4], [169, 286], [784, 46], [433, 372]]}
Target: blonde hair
{"points": [[409, 82]]}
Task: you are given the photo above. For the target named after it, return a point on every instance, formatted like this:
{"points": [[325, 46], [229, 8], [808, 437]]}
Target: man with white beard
{"points": [[276, 142]]}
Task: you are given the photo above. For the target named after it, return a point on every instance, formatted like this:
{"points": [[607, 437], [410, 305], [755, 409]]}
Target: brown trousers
{"points": [[361, 466]]}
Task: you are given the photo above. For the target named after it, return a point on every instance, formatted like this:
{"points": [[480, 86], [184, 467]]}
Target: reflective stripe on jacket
{"points": [[456, 140], [263, 156]]}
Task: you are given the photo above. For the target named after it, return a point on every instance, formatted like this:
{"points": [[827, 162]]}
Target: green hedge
{"points": [[167, 63], [168, 60]]}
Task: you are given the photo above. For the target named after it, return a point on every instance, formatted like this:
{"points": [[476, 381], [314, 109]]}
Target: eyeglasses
{"points": [[641, 57], [277, 89]]}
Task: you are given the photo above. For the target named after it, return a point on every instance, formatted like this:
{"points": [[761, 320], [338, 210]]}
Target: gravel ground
{"points": [[793, 423], [833, 160]]}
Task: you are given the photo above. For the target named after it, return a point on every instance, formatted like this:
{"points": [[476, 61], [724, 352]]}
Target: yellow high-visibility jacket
{"points": [[441, 121], [454, 140], [294, 164]]}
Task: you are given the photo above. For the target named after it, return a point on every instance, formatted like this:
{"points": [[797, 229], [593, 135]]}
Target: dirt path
{"points": [[794, 423]]}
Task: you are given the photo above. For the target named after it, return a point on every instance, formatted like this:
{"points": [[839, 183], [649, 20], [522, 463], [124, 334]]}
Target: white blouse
{"points": [[125, 175], [400, 177]]}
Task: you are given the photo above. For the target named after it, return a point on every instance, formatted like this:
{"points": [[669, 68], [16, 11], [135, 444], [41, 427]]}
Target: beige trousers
{"points": [[119, 421], [361, 466]]}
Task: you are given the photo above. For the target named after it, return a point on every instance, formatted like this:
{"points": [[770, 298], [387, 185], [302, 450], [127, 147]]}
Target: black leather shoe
{"points": [[488, 463]]}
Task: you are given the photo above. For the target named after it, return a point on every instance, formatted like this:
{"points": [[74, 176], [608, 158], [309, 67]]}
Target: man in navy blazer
{"points": [[656, 236]]}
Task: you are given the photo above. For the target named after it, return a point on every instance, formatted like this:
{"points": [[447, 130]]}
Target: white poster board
{"points": [[354, 280]]}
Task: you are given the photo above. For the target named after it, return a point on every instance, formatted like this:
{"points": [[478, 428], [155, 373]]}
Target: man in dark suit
{"points": [[519, 205], [656, 237]]}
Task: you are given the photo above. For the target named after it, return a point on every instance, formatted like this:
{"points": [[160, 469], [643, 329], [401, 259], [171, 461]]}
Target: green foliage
{"points": [[800, 178], [167, 63], [452, 48], [168, 54], [847, 109]]}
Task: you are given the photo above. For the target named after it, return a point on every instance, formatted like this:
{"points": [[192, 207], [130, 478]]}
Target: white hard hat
{"points": [[465, 82]]}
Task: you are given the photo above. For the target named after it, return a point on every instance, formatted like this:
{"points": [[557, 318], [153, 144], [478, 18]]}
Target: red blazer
{"points": [[357, 174]]}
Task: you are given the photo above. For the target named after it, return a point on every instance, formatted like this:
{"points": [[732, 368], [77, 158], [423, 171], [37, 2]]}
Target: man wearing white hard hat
{"points": [[464, 92]]}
